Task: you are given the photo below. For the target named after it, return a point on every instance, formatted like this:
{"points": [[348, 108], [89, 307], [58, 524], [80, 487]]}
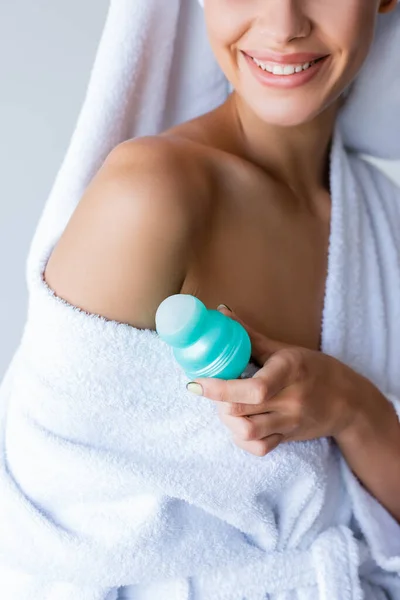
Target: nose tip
{"points": [[283, 21]]}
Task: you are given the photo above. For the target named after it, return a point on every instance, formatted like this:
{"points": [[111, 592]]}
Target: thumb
{"points": [[262, 347]]}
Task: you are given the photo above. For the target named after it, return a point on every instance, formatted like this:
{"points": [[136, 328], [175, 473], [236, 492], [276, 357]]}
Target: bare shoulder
{"points": [[128, 243]]}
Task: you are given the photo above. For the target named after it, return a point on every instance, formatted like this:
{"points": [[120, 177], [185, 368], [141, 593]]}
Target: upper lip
{"points": [[284, 59]]}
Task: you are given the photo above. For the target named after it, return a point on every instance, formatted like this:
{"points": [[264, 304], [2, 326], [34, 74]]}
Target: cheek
{"points": [[226, 34], [349, 32]]}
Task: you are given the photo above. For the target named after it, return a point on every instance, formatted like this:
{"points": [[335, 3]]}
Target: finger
{"points": [[278, 373], [241, 391], [262, 347], [260, 447], [256, 427]]}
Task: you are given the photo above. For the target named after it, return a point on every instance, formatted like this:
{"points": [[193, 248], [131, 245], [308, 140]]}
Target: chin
{"points": [[283, 115]]}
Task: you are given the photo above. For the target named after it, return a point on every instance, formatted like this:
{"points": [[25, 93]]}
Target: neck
{"points": [[297, 157]]}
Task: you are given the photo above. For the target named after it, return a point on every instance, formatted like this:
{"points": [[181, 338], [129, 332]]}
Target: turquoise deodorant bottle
{"points": [[205, 342]]}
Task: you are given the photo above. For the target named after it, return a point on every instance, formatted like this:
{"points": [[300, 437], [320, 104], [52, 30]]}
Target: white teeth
{"points": [[283, 69], [289, 70]]}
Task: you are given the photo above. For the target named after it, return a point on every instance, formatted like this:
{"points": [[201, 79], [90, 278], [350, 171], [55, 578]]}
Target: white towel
{"points": [[112, 474], [108, 479]]}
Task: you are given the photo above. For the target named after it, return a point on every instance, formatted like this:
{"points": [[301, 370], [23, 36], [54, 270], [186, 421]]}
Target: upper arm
{"points": [[127, 245]]}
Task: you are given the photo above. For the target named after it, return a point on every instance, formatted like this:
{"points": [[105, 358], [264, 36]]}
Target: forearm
{"points": [[371, 447]]}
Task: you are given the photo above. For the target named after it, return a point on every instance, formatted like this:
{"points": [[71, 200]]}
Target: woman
{"points": [[235, 206], [247, 181]]}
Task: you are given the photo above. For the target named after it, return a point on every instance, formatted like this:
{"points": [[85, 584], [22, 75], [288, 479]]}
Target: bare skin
{"points": [[252, 245], [263, 253]]}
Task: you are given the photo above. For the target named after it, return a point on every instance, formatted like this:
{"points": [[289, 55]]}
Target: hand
{"points": [[298, 394]]}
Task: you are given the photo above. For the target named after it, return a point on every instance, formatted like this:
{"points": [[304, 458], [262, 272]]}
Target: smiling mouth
{"points": [[282, 69]]}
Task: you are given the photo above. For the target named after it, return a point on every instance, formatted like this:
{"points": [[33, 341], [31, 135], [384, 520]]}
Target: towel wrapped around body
{"points": [[112, 474]]}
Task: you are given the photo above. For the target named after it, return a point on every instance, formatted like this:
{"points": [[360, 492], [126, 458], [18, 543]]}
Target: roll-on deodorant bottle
{"points": [[205, 342]]}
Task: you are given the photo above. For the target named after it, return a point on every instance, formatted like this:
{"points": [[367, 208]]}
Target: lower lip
{"points": [[285, 81]]}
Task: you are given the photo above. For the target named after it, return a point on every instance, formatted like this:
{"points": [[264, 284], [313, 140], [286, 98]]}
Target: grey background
{"points": [[46, 52], [47, 48]]}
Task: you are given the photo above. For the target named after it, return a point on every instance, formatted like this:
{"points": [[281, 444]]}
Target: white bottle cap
{"points": [[177, 317]]}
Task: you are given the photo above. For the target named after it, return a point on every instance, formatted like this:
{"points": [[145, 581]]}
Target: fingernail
{"points": [[194, 388], [224, 306]]}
